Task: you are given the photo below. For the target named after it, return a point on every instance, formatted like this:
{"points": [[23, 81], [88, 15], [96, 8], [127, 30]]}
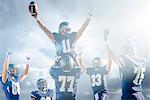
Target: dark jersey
{"points": [[1, 82], [64, 43], [41, 95], [132, 74], [98, 79], [65, 82], [11, 89]]}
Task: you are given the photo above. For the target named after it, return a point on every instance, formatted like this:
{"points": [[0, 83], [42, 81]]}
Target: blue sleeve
{"points": [[73, 36], [52, 93], [104, 71], [33, 94], [1, 82], [53, 72], [88, 71], [57, 37], [78, 73]]}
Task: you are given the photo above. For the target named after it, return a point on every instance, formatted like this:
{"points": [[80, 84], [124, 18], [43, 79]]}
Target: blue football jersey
{"points": [[11, 90], [65, 82], [1, 82], [41, 95], [98, 79], [132, 74], [64, 43]]}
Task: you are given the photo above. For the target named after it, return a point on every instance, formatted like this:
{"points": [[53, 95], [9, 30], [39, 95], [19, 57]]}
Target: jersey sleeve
{"points": [[104, 71], [55, 35], [53, 72], [78, 73], [52, 93], [33, 94], [73, 36], [88, 71], [0, 82]]}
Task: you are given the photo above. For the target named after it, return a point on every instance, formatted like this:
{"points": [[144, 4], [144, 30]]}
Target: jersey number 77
{"points": [[64, 80]]}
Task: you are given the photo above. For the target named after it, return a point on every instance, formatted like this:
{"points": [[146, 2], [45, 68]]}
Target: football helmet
{"points": [[13, 72], [42, 85], [96, 62], [64, 27]]}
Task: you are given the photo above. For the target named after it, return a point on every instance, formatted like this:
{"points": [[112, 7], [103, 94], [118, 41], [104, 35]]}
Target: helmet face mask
{"points": [[42, 85], [96, 62], [13, 72], [64, 28]]}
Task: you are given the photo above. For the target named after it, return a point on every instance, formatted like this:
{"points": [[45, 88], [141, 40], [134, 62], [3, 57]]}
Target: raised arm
{"points": [[85, 24], [112, 55], [5, 66], [26, 71], [108, 67], [46, 31], [33, 9], [80, 63]]}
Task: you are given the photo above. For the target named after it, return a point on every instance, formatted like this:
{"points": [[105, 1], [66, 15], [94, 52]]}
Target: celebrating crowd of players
{"points": [[68, 66]]}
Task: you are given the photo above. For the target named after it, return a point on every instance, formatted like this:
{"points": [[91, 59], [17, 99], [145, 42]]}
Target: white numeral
{"points": [[139, 75], [71, 80], [66, 46], [43, 98], [64, 80], [15, 88], [96, 80]]}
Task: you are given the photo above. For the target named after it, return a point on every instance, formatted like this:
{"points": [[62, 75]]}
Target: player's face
{"points": [[96, 63], [42, 85], [13, 71], [65, 29]]}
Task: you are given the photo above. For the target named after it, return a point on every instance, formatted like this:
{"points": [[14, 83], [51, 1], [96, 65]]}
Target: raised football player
{"points": [[98, 73], [64, 40], [43, 93], [132, 69], [65, 79], [11, 79]]}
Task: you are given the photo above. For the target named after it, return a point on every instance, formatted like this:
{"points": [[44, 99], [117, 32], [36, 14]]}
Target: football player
{"points": [[43, 93], [65, 79], [10, 78], [64, 40], [132, 70], [98, 73]]}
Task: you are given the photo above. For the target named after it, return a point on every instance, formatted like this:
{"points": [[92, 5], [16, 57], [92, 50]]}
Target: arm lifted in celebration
{"points": [[46, 31], [112, 55], [26, 70], [33, 9], [85, 24], [106, 33], [5, 66]]}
